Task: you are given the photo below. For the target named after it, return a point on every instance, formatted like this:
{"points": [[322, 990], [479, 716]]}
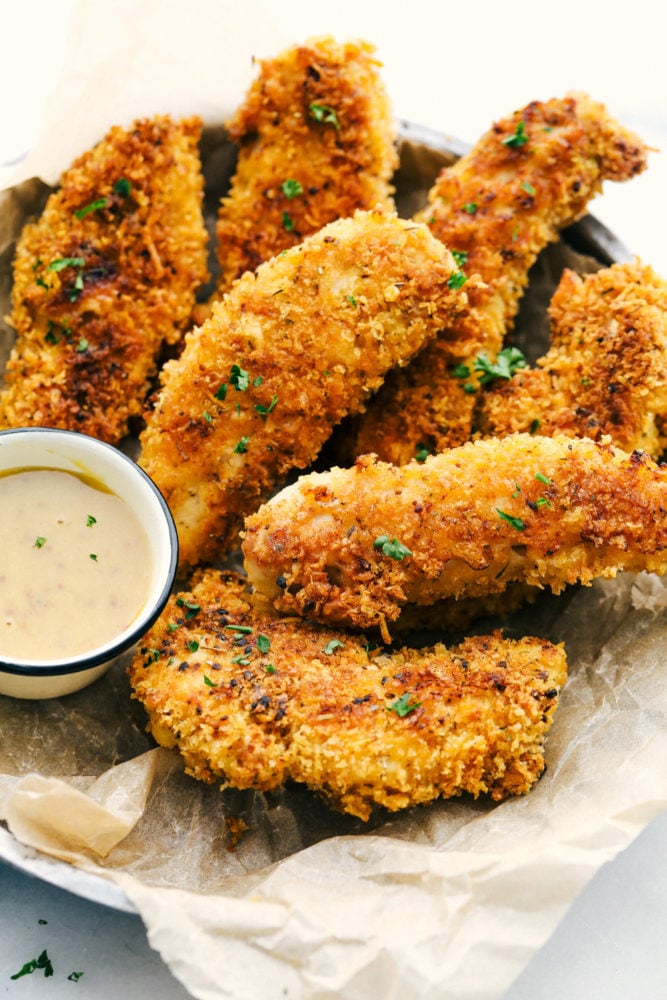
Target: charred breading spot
{"points": [[363, 727], [104, 278], [554, 511]]}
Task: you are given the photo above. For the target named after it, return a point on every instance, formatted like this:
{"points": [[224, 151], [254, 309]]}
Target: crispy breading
{"points": [[606, 369], [352, 546], [284, 356], [255, 701], [528, 177], [316, 142], [104, 278]]}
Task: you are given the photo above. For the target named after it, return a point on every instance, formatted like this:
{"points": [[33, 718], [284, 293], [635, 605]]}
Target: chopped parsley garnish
{"points": [[543, 502], [470, 207], [191, 609], [518, 138], [421, 453], [209, 683], [122, 187], [93, 556], [221, 393], [74, 977], [152, 656], [242, 446], [207, 417], [528, 188], [193, 646], [264, 410], [62, 262], [270, 669], [460, 257], [288, 222], [456, 280], [534, 426], [40, 542], [508, 362], [172, 626], [392, 548], [460, 371], [324, 114], [470, 387], [263, 643], [258, 381], [244, 629], [239, 378], [517, 490], [42, 962], [81, 213], [351, 299], [403, 705], [543, 479], [516, 522], [82, 345], [332, 646], [241, 659], [90, 521], [291, 188]]}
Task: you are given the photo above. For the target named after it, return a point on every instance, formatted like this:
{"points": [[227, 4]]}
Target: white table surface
{"points": [[454, 67]]}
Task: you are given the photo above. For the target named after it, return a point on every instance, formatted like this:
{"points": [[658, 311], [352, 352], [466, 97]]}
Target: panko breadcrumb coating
{"points": [[254, 701], [316, 142], [292, 348], [104, 278], [606, 369], [353, 546], [531, 175]]}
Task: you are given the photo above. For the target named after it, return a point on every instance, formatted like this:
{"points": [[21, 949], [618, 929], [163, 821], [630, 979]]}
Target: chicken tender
{"points": [[284, 356], [531, 175], [606, 369], [353, 546], [104, 278], [255, 701], [317, 142]]}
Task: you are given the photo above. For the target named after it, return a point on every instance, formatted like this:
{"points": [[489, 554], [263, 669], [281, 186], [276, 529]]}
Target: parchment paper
{"points": [[451, 899]]}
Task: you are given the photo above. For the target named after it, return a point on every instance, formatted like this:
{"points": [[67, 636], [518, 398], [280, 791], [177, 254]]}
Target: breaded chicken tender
{"points": [[104, 278], [255, 701], [528, 177], [353, 546], [606, 369], [316, 142], [284, 356]]}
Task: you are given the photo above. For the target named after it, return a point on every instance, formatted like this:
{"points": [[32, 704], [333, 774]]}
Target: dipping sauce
{"points": [[75, 564]]}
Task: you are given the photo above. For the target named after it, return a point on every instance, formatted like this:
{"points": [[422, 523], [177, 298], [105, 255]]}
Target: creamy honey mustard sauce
{"points": [[74, 564]]}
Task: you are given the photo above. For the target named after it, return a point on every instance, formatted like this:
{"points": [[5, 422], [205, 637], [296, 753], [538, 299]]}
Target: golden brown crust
{"points": [[606, 369], [340, 163], [500, 205], [314, 331], [544, 511], [256, 712], [89, 331]]}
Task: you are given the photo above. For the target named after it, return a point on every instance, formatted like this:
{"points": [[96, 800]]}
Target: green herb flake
{"points": [[528, 188], [456, 280], [42, 962], [191, 609], [258, 381], [193, 645], [324, 114], [516, 522], [239, 378], [243, 629], [421, 453], [40, 542], [470, 388], [208, 682], [508, 362], [207, 417], [81, 213], [241, 659], [291, 188], [122, 187], [221, 392], [265, 410], [74, 977], [242, 446], [332, 646], [172, 626], [543, 479], [470, 207], [460, 371], [394, 549], [534, 426], [93, 556], [518, 138], [517, 490], [403, 705], [152, 656], [543, 502], [351, 299], [460, 257], [62, 262], [82, 346], [263, 643], [288, 222], [269, 668]]}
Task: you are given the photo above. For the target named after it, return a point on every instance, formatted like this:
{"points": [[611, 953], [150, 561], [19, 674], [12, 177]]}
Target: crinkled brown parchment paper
{"points": [[451, 899]]}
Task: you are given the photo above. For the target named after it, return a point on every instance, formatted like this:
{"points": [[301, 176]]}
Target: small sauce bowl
{"points": [[102, 468]]}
